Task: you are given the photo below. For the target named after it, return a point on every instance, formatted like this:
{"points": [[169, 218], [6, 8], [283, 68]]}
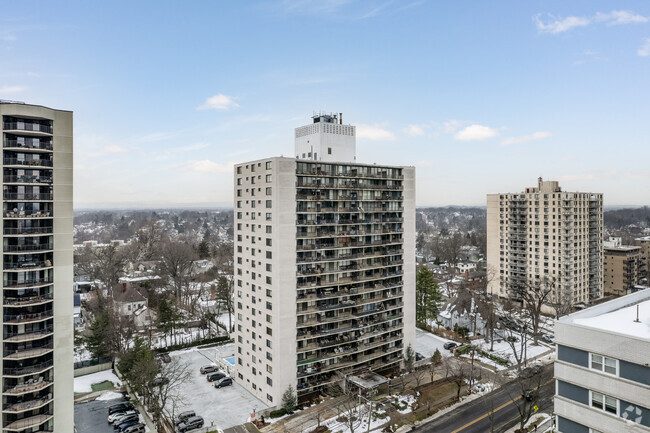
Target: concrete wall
{"points": [[409, 257]]}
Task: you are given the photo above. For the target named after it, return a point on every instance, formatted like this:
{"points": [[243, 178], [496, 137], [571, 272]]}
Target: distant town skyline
{"points": [[480, 98]]}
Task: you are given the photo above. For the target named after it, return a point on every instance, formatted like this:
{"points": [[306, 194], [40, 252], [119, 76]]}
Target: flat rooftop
{"points": [[618, 315]]}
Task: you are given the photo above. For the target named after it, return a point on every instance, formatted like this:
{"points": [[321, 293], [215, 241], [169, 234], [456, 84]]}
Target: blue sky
{"points": [[481, 97]]}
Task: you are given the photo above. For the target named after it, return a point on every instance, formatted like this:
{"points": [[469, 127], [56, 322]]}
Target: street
{"points": [[473, 416]]}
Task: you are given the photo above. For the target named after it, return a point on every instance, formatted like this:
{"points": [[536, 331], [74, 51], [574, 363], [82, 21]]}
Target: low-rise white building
{"points": [[602, 369]]}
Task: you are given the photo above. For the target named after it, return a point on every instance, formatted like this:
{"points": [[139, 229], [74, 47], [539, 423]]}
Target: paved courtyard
{"points": [[426, 343], [224, 407]]}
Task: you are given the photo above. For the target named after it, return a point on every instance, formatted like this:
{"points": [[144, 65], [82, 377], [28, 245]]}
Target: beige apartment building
{"points": [[544, 232], [324, 265], [622, 265], [644, 243], [37, 320]]}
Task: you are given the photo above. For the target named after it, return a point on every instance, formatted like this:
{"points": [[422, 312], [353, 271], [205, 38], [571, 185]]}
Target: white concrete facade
{"points": [[326, 139], [546, 232], [324, 272], [37, 228], [600, 355]]}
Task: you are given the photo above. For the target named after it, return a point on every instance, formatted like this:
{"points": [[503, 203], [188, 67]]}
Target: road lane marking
{"points": [[495, 410]]}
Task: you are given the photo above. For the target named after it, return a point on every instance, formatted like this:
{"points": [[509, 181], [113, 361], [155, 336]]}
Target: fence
{"points": [[82, 368]]}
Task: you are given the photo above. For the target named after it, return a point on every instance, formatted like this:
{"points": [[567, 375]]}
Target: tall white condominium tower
{"points": [[325, 264], [37, 369], [545, 232]]}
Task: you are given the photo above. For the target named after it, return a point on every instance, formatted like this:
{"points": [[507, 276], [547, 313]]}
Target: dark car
{"points": [[120, 407], [138, 428], [209, 369], [530, 394], [529, 372], [183, 416], [127, 424], [418, 356], [190, 424], [215, 376], [226, 381], [117, 423], [450, 345]]}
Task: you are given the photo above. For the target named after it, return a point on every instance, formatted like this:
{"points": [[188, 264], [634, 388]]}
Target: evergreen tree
{"points": [[289, 400], [427, 296]]}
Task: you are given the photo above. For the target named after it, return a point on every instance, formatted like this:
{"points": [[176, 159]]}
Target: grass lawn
{"points": [[434, 393], [102, 386]]}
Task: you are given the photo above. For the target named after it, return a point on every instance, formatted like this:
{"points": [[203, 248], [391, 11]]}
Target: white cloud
{"points": [[451, 126], [556, 25], [207, 166], [374, 132], [620, 17], [12, 89], [524, 138], [476, 133], [113, 148], [414, 130], [218, 102], [548, 23], [644, 51]]}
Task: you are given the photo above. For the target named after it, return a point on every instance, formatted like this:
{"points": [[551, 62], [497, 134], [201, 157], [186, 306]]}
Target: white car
{"points": [[112, 416]]}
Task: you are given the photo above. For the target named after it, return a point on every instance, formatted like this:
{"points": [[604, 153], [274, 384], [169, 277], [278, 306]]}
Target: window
{"points": [[268, 318], [268, 396], [238, 170], [268, 229], [269, 280], [269, 293], [604, 402], [268, 267], [269, 306], [329, 150], [239, 181], [268, 190], [269, 255], [239, 203], [604, 364], [269, 204], [268, 344], [268, 178], [269, 331], [268, 242], [269, 381], [269, 369], [268, 216], [268, 165]]}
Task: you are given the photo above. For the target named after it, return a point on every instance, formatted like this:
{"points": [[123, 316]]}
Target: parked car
{"points": [[209, 369], [190, 424], [548, 338], [418, 356], [138, 428], [120, 407], [114, 415], [529, 372], [183, 416], [450, 345], [118, 421], [126, 424], [226, 381], [215, 376], [530, 394]]}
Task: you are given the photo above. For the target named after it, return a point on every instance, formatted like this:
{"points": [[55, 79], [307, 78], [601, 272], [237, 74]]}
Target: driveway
{"points": [[91, 417], [224, 407], [426, 343]]}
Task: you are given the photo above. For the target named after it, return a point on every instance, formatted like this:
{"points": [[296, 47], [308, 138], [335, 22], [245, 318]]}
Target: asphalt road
{"points": [[91, 417], [473, 416]]}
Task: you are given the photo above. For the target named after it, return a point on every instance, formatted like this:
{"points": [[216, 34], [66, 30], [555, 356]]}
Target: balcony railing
{"points": [[31, 422], [17, 337], [28, 144], [27, 126], [30, 386], [30, 369], [27, 352], [27, 179], [26, 248], [27, 230], [32, 265], [20, 196], [27, 317], [28, 283], [28, 162], [29, 214]]}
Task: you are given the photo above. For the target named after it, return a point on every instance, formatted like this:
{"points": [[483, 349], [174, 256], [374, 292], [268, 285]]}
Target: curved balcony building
{"points": [[37, 269]]}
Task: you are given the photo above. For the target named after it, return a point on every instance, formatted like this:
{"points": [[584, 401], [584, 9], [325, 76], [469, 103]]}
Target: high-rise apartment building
{"points": [[622, 267], [546, 233], [601, 372], [324, 265], [644, 243], [37, 340]]}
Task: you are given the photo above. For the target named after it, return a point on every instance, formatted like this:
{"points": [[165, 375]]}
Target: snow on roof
{"points": [[618, 315]]}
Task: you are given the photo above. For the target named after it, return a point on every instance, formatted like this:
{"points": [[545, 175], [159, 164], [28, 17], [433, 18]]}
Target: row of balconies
{"points": [[317, 282], [27, 144], [331, 207], [27, 263], [361, 172], [354, 265], [322, 232], [336, 255], [22, 301], [32, 161], [27, 317], [11, 123], [354, 312], [31, 335], [346, 291], [30, 369], [338, 361], [315, 353], [353, 338], [351, 303], [25, 178], [25, 248], [30, 279], [334, 220], [354, 324], [346, 195], [346, 242]]}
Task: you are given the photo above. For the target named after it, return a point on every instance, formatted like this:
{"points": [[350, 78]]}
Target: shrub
{"points": [[278, 413]]}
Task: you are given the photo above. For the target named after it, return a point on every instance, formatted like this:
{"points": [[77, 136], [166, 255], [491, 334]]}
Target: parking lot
{"points": [[224, 407], [91, 417]]}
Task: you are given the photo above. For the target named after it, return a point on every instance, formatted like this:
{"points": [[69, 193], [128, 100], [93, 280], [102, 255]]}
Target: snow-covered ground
{"points": [[84, 383], [426, 343]]}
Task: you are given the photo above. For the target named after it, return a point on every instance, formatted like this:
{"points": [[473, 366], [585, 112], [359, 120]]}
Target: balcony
{"points": [[30, 352], [33, 265], [28, 387], [29, 370], [20, 337], [25, 423], [19, 196], [24, 301], [16, 231], [27, 214], [27, 179], [28, 283], [28, 144], [30, 162], [27, 317], [28, 248], [44, 126], [27, 405]]}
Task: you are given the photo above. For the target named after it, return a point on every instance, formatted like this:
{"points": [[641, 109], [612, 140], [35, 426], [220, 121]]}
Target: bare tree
{"points": [[176, 265], [164, 389], [524, 391], [459, 370], [419, 374], [103, 263], [562, 301], [533, 296]]}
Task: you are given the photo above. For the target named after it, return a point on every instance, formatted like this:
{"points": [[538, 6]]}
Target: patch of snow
{"points": [[84, 383], [622, 321], [110, 395]]}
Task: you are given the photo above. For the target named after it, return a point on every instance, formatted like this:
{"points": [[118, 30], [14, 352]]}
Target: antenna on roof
{"points": [[637, 314]]}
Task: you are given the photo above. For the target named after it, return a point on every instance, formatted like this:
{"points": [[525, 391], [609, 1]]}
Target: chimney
{"points": [[340, 118]]}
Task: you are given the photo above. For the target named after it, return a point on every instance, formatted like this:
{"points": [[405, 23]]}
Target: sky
{"points": [[481, 97]]}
